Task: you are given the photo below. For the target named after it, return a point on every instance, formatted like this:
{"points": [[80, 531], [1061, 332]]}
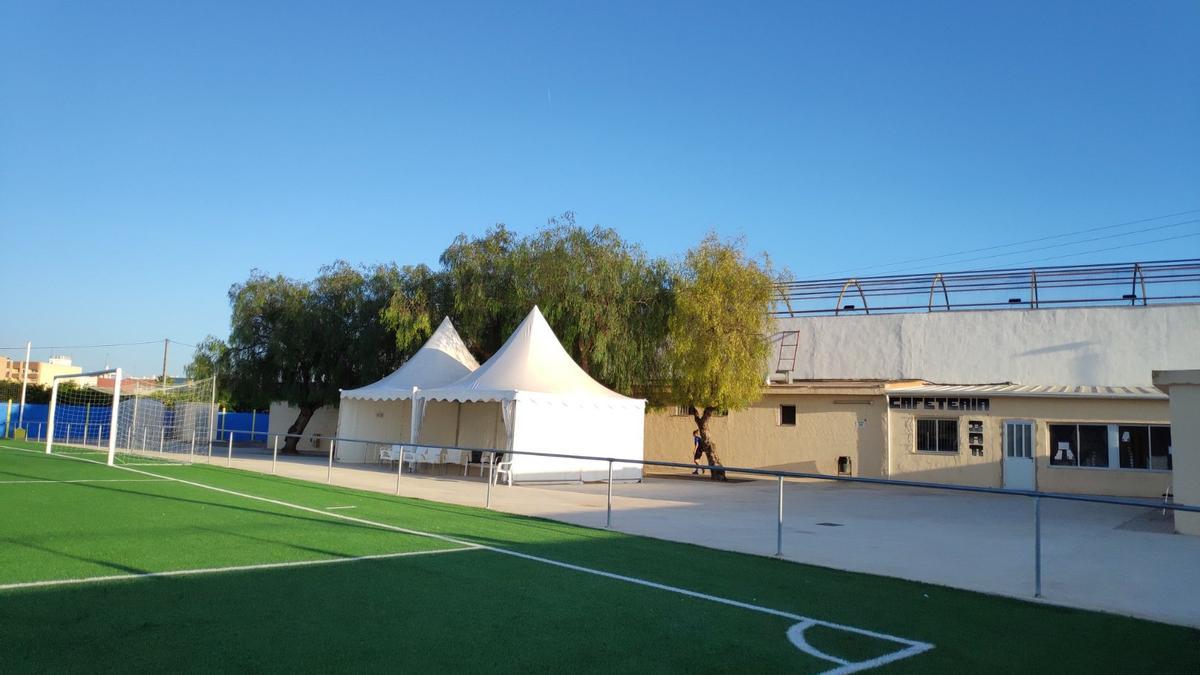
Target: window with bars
{"points": [[937, 435]]}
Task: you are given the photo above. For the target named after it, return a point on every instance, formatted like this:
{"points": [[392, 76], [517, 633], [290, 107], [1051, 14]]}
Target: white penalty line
{"points": [[87, 480], [795, 632], [222, 570]]}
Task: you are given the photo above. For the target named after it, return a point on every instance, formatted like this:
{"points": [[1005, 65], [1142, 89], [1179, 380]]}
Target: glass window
{"points": [[1093, 445], [937, 435], [787, 415], [1134, 444], [1064, 448], [1160, 448]]}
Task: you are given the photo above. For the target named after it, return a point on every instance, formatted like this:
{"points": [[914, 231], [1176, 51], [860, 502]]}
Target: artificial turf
{"points": [[470, 610]]}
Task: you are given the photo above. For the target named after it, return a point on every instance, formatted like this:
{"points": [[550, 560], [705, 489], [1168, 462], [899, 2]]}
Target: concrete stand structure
{"points": [[1183, 386]]}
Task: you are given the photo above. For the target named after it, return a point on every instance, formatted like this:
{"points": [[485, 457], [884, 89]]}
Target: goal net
{"points": [[121, 420]]}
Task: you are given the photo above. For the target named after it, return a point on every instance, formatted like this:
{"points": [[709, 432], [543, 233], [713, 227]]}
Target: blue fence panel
{"points": [[35, 416], [241, 424]]}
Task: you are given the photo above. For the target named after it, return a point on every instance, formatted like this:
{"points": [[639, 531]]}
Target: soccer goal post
{"points": [[77, 400], [129, 420]]}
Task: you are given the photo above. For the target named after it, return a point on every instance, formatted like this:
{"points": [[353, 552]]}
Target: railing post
{"points": [[487, 504], [229, 453], [274, 454], [68, 432], [329, 474], [1037, 547], [779, 523], [192, 451], [162, 435], [145, 432], [608, 518], [399, 469]]}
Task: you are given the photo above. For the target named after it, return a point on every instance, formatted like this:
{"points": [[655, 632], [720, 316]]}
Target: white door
{"points": [[1019, 471]]}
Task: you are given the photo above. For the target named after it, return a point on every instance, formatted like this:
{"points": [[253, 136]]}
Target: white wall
{"points": [[322, 425], [1074, 346]]}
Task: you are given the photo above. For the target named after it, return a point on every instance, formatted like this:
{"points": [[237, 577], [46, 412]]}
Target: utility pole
{"points": [[24, 381], [166, 345]]}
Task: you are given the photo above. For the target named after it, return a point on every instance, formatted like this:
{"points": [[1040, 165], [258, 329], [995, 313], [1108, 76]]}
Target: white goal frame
{"points": [[116, 403]]}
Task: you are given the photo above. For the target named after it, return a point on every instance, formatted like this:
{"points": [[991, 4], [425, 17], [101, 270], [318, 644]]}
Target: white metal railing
{"points": [[495, 455]]}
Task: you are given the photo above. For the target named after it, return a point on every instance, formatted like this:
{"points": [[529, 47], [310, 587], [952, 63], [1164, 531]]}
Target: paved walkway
{"points": [[1110, 558]]}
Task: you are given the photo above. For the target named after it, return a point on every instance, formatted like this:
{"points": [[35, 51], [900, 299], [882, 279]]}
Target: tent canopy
{"points": [[442, 360], [532, 365]]}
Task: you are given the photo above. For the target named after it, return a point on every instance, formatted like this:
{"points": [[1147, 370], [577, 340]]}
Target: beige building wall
{"points": [[827, 426], [41, 373], [860, 425], [987, 471]]}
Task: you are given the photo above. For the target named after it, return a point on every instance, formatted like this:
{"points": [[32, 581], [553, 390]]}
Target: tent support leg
{"points": [[608, 518]]}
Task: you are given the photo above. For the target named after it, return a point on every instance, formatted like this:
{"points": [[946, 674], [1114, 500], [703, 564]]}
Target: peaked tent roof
{"points": [[441, 360], [531, 364]]}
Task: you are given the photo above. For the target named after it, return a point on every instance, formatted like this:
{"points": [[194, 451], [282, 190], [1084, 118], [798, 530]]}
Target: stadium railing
{"points": [[272, 442]]}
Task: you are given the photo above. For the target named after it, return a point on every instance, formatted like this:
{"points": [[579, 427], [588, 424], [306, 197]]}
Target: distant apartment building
{"points": [[40, 372]]}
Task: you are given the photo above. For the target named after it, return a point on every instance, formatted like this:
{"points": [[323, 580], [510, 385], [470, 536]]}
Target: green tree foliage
{"points": [[606, 300], [299, 341], [34, 393], [416, 307], [718, 332], [481, 276]]}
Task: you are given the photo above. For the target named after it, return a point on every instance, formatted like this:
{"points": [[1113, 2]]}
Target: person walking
{"points": [[698, 451]]}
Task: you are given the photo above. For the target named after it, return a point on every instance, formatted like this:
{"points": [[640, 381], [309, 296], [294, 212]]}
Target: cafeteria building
{"points": [[1048, 396]]}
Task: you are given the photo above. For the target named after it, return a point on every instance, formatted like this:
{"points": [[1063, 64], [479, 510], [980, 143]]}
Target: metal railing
{"points": [[1138, 283], [496, 457]]}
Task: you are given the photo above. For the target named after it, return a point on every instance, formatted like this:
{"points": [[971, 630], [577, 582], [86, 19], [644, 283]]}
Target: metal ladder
{"points": [[789, 345]]}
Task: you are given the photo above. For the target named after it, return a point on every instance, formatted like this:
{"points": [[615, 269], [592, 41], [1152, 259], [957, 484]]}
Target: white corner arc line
{"points": [[913, 647], [222, 570]]}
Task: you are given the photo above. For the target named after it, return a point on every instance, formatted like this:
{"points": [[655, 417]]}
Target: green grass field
{"points": [[127, 568]]}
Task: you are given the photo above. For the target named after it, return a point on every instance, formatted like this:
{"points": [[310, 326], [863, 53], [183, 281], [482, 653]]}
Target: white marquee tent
{"points": [[381, 411], [531, 396]]}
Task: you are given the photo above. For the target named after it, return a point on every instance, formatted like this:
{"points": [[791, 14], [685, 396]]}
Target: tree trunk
{"points": [[707, 446], [297, 428]]}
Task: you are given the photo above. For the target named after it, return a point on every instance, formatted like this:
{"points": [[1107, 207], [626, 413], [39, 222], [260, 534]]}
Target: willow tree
{"points": [[299, 341], [718, 346], [607, 301], [481, 275], [417, 305]]}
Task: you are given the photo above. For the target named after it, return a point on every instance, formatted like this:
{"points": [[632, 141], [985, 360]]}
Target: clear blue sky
{"points": [[152, 154]]}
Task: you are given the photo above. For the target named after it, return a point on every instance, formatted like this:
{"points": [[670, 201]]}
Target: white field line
{"points": [[338, 508], [912, 647], [221, 570], [87, 480]]}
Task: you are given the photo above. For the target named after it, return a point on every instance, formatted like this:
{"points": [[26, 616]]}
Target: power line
{"points": [[1011, 244], [1111, 248], [1081, 241], [114, 344]]}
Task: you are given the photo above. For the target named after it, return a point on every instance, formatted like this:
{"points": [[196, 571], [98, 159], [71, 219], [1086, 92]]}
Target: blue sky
{"points": [[152, 154]]}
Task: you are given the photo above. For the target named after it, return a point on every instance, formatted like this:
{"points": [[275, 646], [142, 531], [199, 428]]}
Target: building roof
{"points": [[1031, 390]]}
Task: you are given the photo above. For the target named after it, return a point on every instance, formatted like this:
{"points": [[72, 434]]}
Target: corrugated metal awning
{"points": [[1032, 390]]}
